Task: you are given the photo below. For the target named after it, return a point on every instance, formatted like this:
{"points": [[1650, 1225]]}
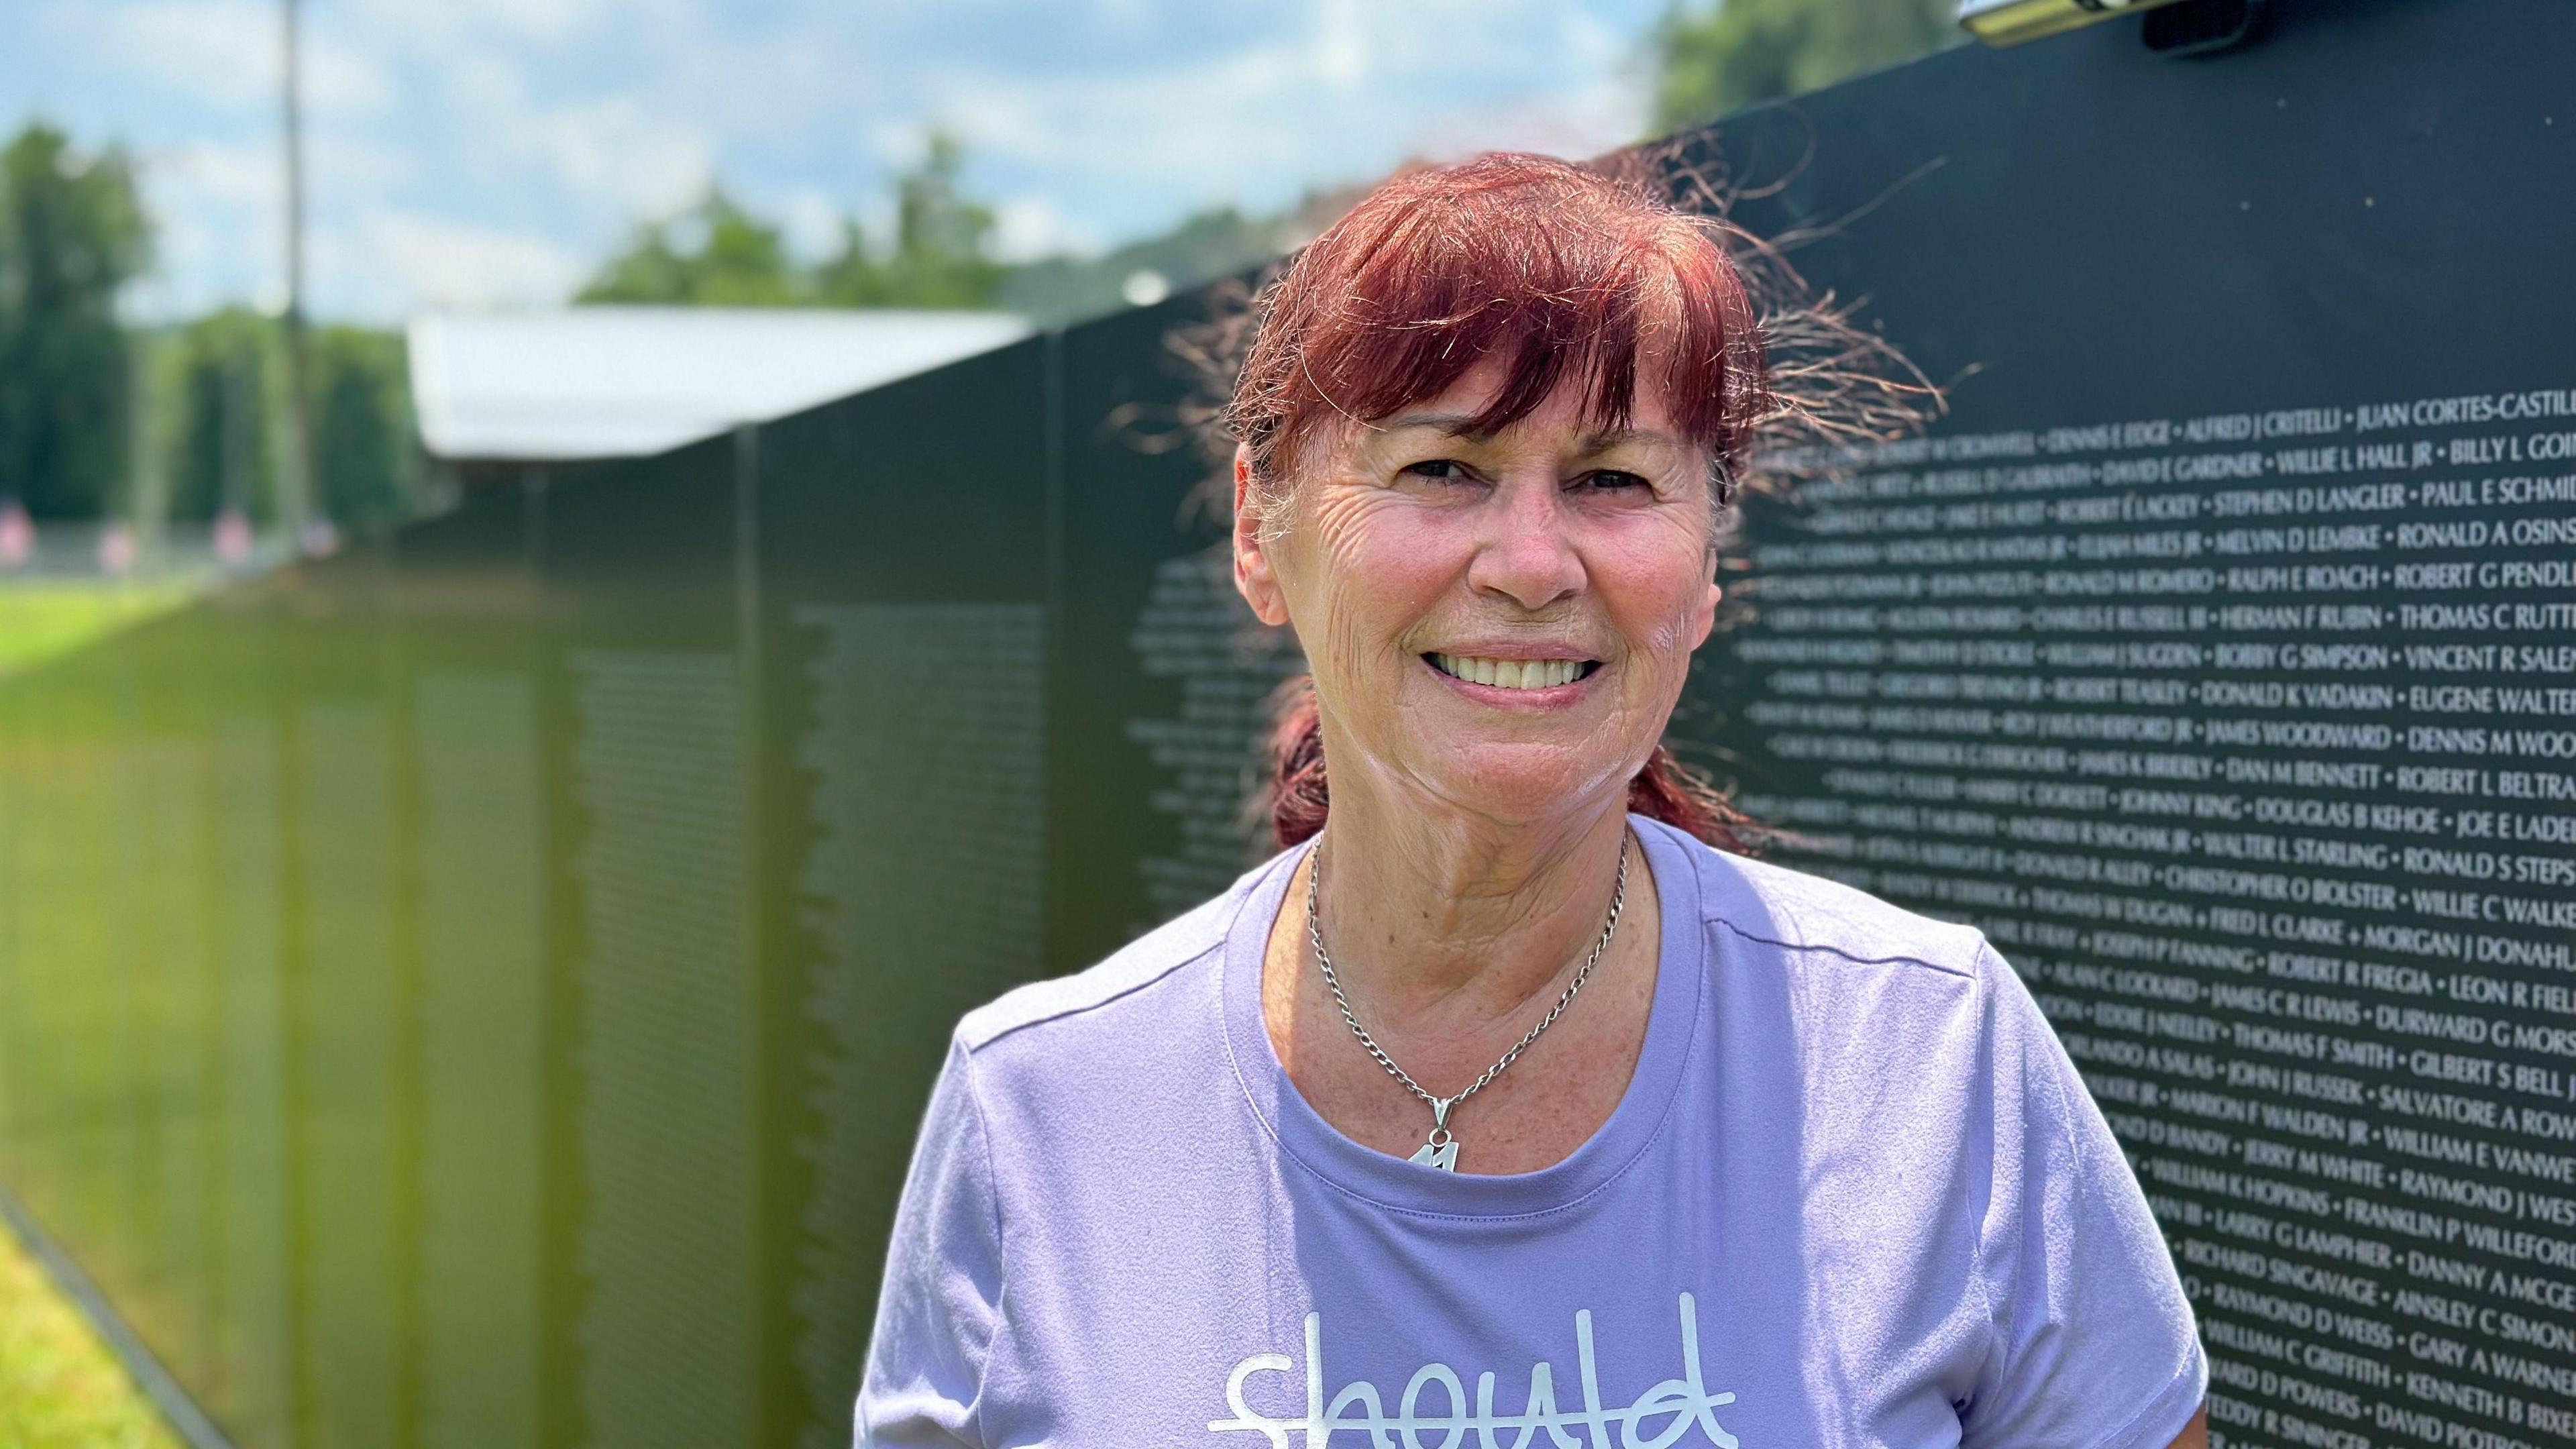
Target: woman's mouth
{"points": [[1512, 673]]}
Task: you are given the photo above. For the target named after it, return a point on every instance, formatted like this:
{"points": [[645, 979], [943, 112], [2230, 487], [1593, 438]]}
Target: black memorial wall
{"points": [[2216, 653], [481, 989]]}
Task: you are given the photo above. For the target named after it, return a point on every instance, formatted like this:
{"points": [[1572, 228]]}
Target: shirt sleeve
{"points": [[2094, 1343], [942, 1296]]}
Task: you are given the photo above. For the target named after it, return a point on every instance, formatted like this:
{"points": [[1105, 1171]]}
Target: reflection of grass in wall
{"points": [[97, 973], [39, 621], [59, 1386]]}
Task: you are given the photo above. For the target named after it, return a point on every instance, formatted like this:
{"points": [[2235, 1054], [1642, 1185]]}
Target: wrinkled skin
{"points": [[1475, 832], [1402, 539]]}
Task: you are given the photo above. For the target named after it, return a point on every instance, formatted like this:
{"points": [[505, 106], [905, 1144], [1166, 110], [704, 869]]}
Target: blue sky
{"points": [[489, 152]]}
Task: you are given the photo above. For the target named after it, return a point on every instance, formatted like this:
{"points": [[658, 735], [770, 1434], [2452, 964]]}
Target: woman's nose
{"points": [[1527, 553]]}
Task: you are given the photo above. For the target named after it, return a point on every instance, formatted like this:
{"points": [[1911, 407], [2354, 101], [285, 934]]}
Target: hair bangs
{"points": [[1562, 273]]}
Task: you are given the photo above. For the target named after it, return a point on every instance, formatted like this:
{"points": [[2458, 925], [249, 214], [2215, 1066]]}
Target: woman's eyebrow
{"points": [[1603, 442], [1461, 425], [1456, 425]]}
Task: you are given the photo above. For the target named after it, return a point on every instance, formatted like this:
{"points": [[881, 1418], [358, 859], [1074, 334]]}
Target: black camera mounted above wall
{"points": [[2172, 27]]}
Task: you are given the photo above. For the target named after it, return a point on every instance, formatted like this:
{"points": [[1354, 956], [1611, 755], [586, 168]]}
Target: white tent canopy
{"points": [[613, 382]]}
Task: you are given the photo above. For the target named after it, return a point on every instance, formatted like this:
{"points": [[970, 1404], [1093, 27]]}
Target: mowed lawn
{"points": [[60, 1388], [41, 620]]}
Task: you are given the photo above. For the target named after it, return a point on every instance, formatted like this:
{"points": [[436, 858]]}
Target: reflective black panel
{"points": [[480, 989]]}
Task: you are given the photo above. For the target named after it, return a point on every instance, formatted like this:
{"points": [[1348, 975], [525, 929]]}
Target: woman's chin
{"points": [[1524, 782]]}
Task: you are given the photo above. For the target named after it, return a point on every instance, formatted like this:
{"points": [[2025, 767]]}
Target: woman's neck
{"points": [[1439, 916]]}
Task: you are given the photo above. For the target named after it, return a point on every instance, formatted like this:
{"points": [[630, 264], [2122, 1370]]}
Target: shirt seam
{"points": [[1001, 1240], [1898, 960], [1977, 1235], [2066, 1110], [1049, 1018]]}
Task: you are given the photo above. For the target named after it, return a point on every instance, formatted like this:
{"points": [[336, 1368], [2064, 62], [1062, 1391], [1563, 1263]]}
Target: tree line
{"points": [[1710, 58], [189, 421], [178, 421]]}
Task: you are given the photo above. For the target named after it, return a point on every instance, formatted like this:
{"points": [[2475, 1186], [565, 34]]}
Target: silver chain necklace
{"points": [[1440, 1150]]}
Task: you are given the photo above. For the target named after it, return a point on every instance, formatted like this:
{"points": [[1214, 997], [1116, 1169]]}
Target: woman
{"points": [[1501, 1109]]}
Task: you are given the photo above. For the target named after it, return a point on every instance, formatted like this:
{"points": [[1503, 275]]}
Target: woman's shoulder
{"points": [[1129, 982], [1765, 904]]}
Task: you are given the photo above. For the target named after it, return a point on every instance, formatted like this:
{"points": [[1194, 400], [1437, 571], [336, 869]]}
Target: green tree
{"points": [[362, 428], [1747, 51], [942, 252], [72, 233], [715, 254], [223, 381], [719, 254], [225, 377]]}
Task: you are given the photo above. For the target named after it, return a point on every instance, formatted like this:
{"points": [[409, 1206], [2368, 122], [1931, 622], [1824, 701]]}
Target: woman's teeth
{"points": [[1510, 673]]}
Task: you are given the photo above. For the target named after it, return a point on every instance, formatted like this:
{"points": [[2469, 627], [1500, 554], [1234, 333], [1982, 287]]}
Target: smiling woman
{"points": [[1553, 288], [1511, 1062]]}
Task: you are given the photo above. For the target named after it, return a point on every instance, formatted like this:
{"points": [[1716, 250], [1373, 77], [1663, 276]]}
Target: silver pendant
{"points": [[1441, 1149]]}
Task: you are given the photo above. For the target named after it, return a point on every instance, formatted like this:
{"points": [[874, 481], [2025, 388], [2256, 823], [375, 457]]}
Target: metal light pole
{"points": [[295, 504]]}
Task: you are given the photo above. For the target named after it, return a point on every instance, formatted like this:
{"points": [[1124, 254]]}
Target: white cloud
{"points": [[619, 151], [492, 149], [344, 167], [219, 212], [811, 218], [1341, 44], [1028, 227], [244, 175], [1604, 98], [230, 54], [900, 143], [485, 89], [447, 263], [616, 153], [1191, 123], [1347, 96], [444, 23], [219, 226]]}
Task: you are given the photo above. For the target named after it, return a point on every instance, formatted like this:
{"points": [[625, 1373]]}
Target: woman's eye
{"points": [[1442, 470], [1613, 480]]}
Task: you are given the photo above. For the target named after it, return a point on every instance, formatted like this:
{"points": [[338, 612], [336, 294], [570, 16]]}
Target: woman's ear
{"points": [[1253, 577]]}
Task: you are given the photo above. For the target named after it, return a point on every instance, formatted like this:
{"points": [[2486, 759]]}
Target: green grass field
{"points": [[60, 1388], [41, 620]]}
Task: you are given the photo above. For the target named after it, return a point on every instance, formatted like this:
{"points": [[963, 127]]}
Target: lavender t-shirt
{"points": [[1855, 1195]]}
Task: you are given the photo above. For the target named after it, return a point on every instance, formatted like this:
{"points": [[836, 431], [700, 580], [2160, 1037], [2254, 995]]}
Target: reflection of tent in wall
{"points": [[496, 390]]}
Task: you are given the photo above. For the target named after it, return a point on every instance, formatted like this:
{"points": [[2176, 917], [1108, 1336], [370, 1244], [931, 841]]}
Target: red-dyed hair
{"points": [[1569, 273]]}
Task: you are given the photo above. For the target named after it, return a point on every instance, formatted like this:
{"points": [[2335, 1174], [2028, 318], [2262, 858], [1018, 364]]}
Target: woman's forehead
{"points": [[1565, 414], [1587, 436]]}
